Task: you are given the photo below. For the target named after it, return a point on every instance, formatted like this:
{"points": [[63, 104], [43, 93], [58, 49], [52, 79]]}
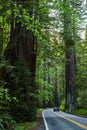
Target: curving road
{"points": [[63, 121]]}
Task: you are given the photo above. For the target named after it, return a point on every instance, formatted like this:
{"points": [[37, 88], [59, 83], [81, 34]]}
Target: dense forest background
{"points": [[43, 58]]}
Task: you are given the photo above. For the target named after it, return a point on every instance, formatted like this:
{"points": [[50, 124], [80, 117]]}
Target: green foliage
{"points": [[6, 121], [5, 95], [20, 81], [25, 126], [20, 75], [82, 99], [1, 125], [62, 105], [81, 112], [81, 75], [17, 77], [45, 91], [5, 98]]}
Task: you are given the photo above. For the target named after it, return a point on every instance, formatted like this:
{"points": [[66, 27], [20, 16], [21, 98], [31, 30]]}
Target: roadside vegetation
{"points": [[81, 112], [26, 126]]}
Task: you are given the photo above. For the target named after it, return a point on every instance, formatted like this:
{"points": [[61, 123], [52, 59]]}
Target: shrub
{"points": [[6, 122], [82, 99]]}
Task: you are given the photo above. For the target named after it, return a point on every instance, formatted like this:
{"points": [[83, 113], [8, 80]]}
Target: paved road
{"points": [[63, 121]]}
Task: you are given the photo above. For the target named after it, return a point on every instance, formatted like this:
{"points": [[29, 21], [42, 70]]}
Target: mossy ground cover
{"points": [[81, 112], [26, 126], [30, 125]]}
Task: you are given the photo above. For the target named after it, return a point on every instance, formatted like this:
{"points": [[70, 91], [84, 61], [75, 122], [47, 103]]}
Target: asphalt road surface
{"points": [[63, 121]]}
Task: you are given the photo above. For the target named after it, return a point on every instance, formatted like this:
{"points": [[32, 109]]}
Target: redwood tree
{"points": [[70, 60], [23, 46]]}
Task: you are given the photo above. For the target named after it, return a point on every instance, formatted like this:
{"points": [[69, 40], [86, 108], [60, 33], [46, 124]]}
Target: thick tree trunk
{"points": [[70, 78], [23, 46], [26, 50], [31, 60], [70, 58]]}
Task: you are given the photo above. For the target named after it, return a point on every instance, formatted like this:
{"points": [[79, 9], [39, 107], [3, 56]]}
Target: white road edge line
{"points": [[45, 122]]}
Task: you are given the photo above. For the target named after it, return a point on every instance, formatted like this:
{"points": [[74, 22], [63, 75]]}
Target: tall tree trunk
{"points": [[70, 60], [23, 46], [70, 79], [56, 101], [44, 86], [1, 37], [31, 60]]}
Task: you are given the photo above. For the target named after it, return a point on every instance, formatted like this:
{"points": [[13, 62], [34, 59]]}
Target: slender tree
{"points": [[56, 97]]}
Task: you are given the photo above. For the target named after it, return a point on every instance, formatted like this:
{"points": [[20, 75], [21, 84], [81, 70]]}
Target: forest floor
{"points": [[39, 121], [37, 125]]}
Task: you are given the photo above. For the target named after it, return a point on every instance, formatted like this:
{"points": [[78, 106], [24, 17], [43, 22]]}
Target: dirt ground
{"points": [[40, 122]]}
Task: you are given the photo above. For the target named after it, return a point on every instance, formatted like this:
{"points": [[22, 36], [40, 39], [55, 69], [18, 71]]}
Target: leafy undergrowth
{"points": [[81, 112], [26, 126], [30, 125], [6, 122]]}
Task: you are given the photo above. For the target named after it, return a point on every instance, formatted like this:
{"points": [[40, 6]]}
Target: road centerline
{"points": [[75, 122]]}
